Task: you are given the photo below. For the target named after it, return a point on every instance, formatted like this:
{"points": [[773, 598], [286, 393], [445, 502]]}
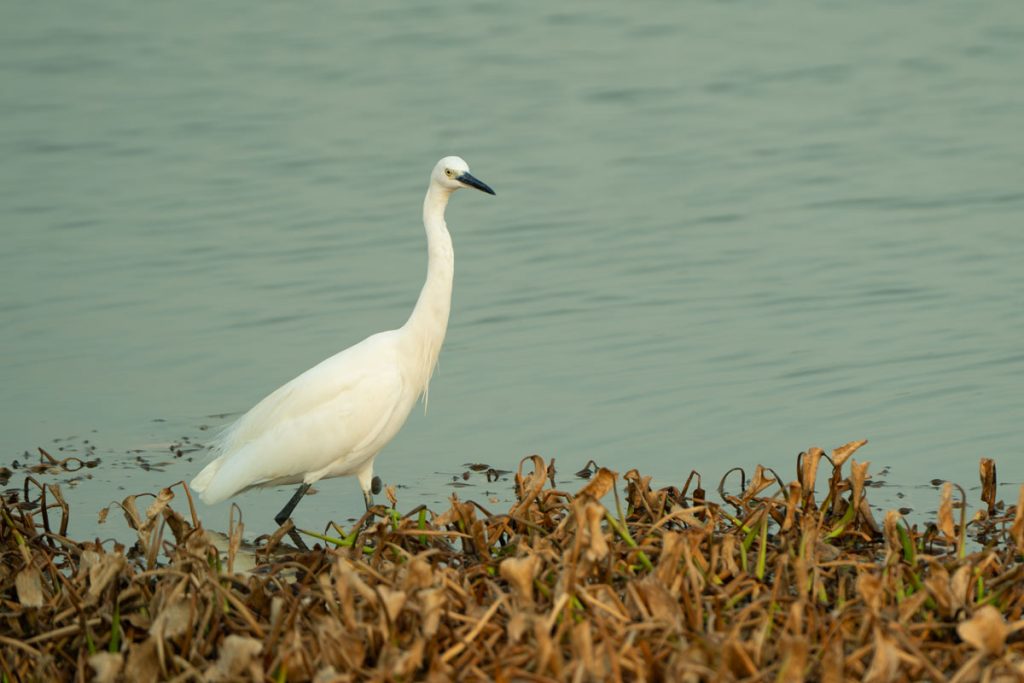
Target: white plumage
{"points": [[333, 419]]}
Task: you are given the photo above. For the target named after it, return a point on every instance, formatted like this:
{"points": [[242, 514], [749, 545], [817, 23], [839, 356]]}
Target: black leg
{"points": [[375, 487], [286, 512], [297, 540]]}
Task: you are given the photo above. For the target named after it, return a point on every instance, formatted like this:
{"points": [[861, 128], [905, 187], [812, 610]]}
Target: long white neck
{"points": [[425, 329]]}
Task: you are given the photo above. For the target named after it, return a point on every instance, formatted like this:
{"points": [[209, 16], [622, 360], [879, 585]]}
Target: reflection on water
{"points": [[724, 232]]}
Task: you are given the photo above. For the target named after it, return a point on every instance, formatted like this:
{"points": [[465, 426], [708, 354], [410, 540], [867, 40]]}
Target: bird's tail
{"points": [[218, 447], [201, 482]]}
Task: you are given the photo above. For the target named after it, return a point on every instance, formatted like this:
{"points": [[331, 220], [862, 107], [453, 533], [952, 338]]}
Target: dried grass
{"points": [[771, 584]]}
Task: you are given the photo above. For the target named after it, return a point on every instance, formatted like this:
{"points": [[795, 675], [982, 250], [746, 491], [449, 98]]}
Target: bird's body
{"points": [[330, 421], [333, 419]]}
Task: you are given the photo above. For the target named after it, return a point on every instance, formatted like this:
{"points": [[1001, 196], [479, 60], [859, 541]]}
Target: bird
{"points": [[335, 418]]}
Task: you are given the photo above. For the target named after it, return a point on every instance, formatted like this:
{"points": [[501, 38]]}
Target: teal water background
{"points": [[724, 231]]}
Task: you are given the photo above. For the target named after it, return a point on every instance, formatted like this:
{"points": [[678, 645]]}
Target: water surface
{"points": [[724, 232]]}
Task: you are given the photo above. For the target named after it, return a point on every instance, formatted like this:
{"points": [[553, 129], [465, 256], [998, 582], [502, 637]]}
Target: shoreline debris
{"points": [[617, 581]]}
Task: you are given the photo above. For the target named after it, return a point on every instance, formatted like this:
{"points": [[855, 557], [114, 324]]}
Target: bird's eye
{"points": [[448, 172]]}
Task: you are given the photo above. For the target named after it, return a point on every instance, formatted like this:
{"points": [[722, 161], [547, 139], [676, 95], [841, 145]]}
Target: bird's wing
{"points": [[374, 357], [337, 409]]}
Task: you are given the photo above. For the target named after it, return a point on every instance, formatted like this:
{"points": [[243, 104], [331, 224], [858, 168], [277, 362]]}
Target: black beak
{"points": [[467, 179]]}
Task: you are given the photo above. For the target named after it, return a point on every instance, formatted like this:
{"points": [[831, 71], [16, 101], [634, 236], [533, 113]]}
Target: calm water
{"points": [[724, 231]]}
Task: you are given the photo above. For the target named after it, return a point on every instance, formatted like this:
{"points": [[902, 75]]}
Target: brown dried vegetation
{"points": [[771, 584]]}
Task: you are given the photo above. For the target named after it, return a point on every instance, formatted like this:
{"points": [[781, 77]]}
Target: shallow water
{"points": [[724, 232]]}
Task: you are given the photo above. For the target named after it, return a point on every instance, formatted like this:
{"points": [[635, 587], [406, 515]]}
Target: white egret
{"points": [[333, 419]]}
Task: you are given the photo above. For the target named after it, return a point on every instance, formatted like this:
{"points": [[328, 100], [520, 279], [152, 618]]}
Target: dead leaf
{"points": [[408, 661], [937, 585], [794, 491], [173, 620], [601, 484], [658, 600], [758, 483], [331, 675], [730, 552], [107, 666], [392, 601], [794, 659], [142, 665], [946, 525], [1017, 530], [870, 590], [165, 496], [832, 661], [987, 471], [589, 515], [885, 664], [892, 538], [960, 586], [867, 519], [673, 545], [530, 485], [29, 583], [102, 570], [517, 626], [736, 657], [131, 512], [431, 601], [841, 454], [986, 631], [858, 475], [233, 658], [808, 473], [520, 572], [583, 647], [419, 574]]}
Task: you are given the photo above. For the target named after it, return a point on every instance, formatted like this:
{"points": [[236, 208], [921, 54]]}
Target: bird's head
{"points": [[452, 173]]}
